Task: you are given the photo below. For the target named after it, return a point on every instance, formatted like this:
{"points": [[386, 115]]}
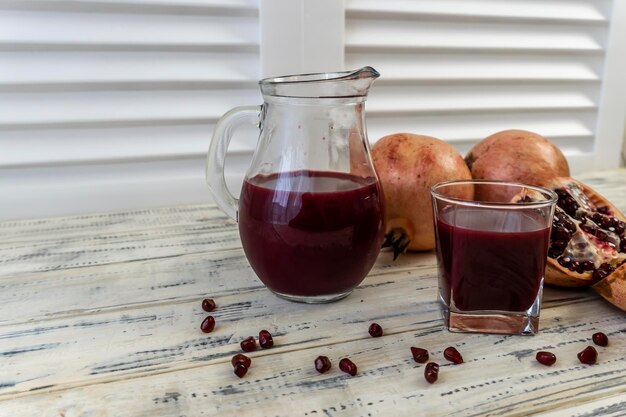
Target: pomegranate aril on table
{"points": [[241, 359], [248, 344], [419, 355], [375, 330], [240, 370], [546, 358], [208, 305], [600, 339], [322, 364], [453, 355], [431, 372], [347, 366], [240, 363], [265, 339], [588, 356], [208, 324]]}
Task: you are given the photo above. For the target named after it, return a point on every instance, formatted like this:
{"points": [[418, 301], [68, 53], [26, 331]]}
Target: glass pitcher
{"points": [[310, 213]]}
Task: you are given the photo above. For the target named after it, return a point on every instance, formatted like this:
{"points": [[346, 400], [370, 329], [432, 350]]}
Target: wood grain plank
{"points": [[56, 228], [86, 290], [106, 248], [499, 376], [613, 406]]}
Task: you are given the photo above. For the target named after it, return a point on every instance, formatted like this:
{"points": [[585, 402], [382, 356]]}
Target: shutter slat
{"points": [[444, 49], [24, 27], [465, 130], [420, 99], [64, 46], [22, 110], [28, 148], [590, 12], [497, 36], [475, 67], [205, 7], [47, 68]]}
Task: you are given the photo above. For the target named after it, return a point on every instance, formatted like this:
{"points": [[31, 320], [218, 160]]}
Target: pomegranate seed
{"points": [[453, 355], [419, 355], [546, 358], [375, 330], [248, 344], [602, 272], [588, 356], [322, 364], [265, 339], [240, 370], [347, 366], [208, 324], [208, 305], [600, 339], [242, 359], [431, 372]]}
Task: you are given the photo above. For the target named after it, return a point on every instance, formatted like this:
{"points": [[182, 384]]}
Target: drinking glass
{"points": [[491, 253]]}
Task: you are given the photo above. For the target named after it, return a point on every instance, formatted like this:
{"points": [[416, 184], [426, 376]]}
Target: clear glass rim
{"points": [[365, 72], [312, 100], [551, 197], [321, 85]]}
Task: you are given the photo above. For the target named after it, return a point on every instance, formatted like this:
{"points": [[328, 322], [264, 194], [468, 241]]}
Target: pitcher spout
{"points": [[365, 72], [343, 84]]}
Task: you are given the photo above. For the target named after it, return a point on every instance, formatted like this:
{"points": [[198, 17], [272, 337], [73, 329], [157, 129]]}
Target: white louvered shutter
{"points": [[110, 104], [107, 105], [463, 69]]}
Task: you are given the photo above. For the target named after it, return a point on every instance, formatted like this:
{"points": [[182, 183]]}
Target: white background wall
{"points": [[108, 105]]}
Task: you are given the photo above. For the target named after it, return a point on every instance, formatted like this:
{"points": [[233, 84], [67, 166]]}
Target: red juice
{"points": [[311, 233], [490, 259]]}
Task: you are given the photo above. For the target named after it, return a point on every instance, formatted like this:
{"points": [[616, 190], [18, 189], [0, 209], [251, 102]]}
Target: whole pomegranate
{"points": [[519, 156], [408, 166]]}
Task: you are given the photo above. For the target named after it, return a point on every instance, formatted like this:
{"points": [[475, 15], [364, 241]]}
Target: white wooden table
{"points": [[100, 316]]}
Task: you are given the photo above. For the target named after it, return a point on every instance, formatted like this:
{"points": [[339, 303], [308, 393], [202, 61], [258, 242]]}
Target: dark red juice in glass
{"points": [[489, 259], [311, 233]]}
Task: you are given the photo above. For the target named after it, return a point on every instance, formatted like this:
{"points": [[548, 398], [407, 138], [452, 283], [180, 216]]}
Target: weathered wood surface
{"points": [[100, 316]]}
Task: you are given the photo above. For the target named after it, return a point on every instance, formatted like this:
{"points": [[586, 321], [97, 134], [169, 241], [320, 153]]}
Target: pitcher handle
{"points": [[216, 157]]}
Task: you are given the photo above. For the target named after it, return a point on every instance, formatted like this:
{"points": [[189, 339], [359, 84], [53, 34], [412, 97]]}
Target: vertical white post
{"points": [[612, 113], [301, 36]]}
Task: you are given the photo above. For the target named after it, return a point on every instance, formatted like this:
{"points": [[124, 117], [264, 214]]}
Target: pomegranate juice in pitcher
{"points": [[311, 233]]}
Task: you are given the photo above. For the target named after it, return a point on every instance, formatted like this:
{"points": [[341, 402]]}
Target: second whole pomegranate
{"points": [[518, 156]]}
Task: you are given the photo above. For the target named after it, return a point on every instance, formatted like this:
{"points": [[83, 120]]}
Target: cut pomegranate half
{"points": [[587, 242]]}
